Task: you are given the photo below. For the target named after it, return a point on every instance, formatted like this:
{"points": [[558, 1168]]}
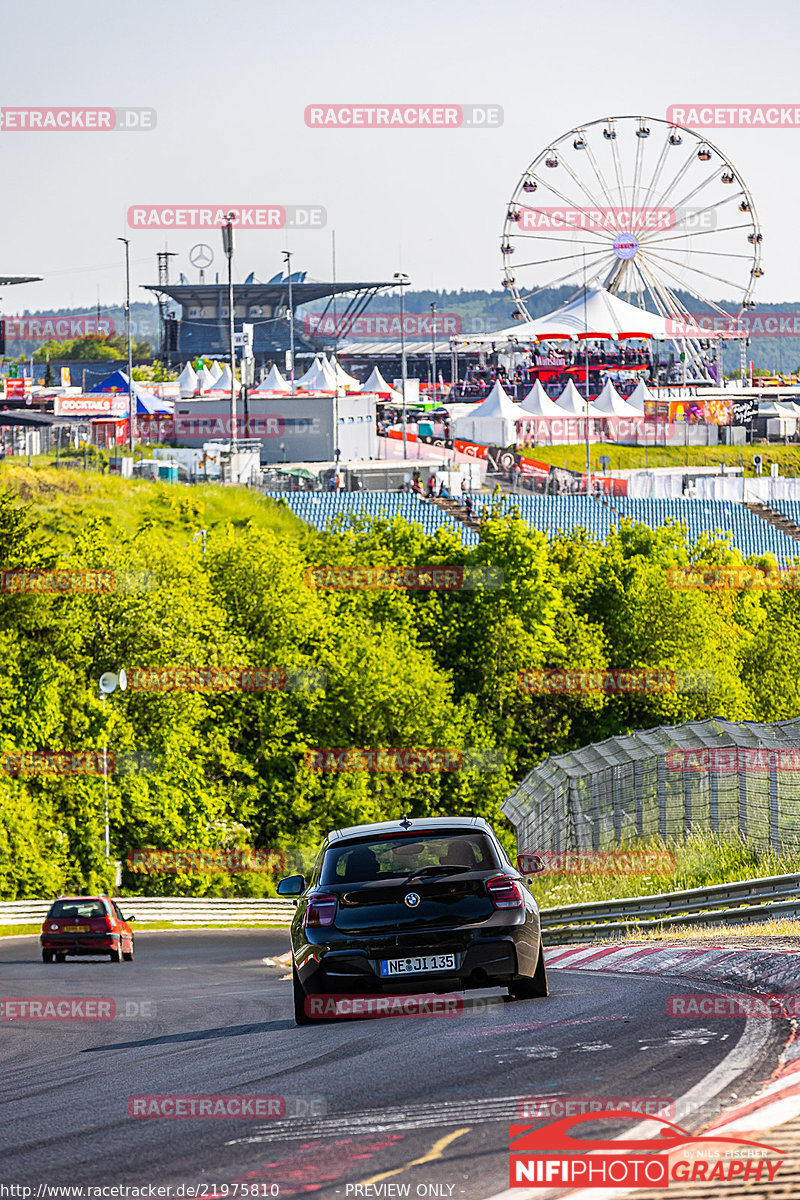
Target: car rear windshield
{"points": [[83, 909], [399, 857]]}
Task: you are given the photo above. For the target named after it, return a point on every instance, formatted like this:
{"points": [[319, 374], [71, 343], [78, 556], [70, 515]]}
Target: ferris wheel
{"points": [[649, 211]]}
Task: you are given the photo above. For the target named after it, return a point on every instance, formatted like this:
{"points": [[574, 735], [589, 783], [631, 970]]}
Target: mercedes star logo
{"points": [[412, 899], [201, 255]]}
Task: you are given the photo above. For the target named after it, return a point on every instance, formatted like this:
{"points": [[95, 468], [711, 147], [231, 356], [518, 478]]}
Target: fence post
{"points": [[713, 799], [615, 791], [774, 829], [742, 798], [595, 812], [637, 796], [662, 795], [687, 802]]}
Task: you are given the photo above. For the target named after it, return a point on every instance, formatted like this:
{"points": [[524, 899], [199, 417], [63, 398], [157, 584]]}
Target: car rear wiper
{"points": [[441, 870]]}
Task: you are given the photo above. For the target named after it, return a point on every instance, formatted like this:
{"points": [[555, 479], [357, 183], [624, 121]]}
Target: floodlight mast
{"points": [[227, 246]]}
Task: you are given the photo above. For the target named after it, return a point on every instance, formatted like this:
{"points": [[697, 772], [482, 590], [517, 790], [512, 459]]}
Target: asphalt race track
{"points": [[418, 1102]]}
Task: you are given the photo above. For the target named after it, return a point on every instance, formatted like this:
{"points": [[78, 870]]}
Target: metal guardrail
{"points": [[743, 903], [190, 910]]}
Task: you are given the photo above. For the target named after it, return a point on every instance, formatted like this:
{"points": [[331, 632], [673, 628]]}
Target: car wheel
{"points": [[60, 958], [47, 956], [534, 986], [129, 955], [300, 996], [115, 955]]}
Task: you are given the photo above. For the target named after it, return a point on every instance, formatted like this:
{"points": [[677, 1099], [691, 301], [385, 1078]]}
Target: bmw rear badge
{"points": [[412, 899]]}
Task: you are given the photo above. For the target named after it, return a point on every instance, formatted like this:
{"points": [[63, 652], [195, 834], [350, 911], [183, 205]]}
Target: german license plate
{"points": [[77, 929], [418, 966]]}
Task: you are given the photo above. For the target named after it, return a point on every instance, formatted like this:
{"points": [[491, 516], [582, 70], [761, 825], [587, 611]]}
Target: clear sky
{"points": [[230, 84]]}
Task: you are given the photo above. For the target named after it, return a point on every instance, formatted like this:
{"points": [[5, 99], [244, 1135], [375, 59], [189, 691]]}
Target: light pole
{"points": [[433, 353], [131, 403], [227, 246], [108, 683], [287, 258], [586, 345], [403, 365]]}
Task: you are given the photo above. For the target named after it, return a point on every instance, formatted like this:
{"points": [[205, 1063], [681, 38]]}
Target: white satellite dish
{"points": [[109, 682]]}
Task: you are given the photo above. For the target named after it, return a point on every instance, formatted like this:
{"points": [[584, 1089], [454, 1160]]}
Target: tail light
{"points": [[321, 909], [505, 892], [109, 923]]}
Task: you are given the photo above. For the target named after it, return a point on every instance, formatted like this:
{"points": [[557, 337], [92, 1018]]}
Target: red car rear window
{"points": [[80, 909]]}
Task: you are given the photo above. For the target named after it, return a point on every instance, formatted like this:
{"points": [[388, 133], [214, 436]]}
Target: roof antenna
{"points": [[405, 823]]}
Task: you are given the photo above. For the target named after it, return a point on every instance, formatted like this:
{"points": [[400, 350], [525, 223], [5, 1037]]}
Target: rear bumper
{"points": [[481, 962], [83, 943]]}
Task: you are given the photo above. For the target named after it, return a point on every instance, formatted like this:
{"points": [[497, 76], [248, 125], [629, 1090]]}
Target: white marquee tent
{"points": [[639, 395], [572, 403], [600, 314], [611, 404], [274, 382], [187, 381], [537, 403], [493, 422]]}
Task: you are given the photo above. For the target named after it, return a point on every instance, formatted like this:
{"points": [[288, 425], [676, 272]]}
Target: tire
{"points": [[115, 955], [300, 996], [531, 987], [60, 958], [128, 956], [47, 956]]}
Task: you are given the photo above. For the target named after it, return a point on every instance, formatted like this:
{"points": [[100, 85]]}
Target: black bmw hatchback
{"points": [[424, 905]]}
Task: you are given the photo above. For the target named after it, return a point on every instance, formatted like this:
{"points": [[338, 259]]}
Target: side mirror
{"points": [[292, 885], [529, 863], [131, 918]]}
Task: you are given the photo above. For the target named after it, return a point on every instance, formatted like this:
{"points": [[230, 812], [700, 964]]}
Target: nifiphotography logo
{"points": [[550, 1157]]}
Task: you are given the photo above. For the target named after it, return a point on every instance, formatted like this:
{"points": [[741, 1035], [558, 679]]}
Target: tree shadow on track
{"points": [[196, 1035]]}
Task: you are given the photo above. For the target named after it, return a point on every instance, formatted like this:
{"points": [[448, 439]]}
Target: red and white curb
{"points": [[763, 971]]}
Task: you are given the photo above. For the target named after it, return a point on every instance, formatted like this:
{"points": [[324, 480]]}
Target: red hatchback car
{"points": [[86, 925]]}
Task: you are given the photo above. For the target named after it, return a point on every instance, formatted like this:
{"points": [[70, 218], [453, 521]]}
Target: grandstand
{"points": [[321, 508], [553, 515], [750, 535]]}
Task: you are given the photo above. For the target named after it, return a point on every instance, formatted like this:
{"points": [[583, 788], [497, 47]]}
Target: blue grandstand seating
{"points": [[563, 514], [321, 508]]}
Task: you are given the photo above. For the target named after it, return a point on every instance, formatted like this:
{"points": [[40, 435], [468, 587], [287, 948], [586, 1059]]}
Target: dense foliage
{"points": [[403, 669]]}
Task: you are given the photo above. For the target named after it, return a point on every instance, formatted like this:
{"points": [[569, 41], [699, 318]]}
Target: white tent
{"points": [[376, 383], [348, 382], [223, 384], [572, 402], [493, 422], [311, 373], [215, 370], [611, 404], [187, 381], [600, 314], [274, 382], [537, 403], [205, 380], [321, 378], [639, 396]]}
